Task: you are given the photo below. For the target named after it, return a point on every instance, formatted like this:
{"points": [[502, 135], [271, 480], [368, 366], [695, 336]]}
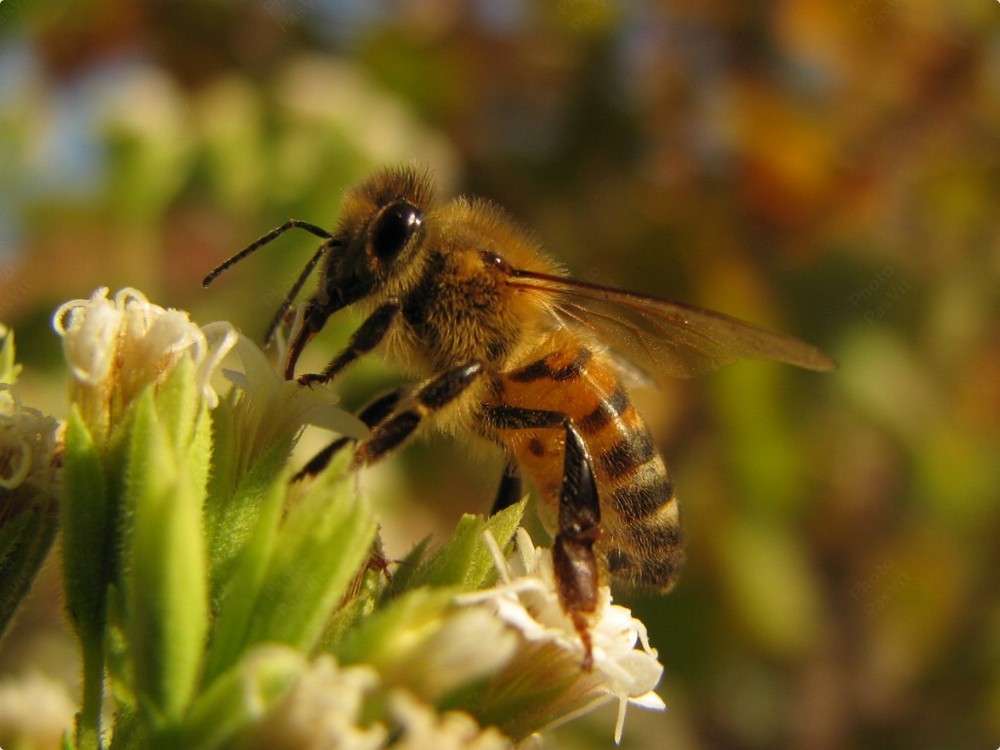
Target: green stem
{"points": [[88, 728]]}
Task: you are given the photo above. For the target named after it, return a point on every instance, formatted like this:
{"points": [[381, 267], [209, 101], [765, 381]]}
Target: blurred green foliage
{"points": [[825, 168]]}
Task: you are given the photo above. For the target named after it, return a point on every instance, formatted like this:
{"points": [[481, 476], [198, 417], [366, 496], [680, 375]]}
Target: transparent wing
{"points": [[662, 336]]}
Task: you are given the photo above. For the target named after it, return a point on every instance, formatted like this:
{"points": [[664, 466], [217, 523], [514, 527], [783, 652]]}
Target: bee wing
{"points": [[632, 375], [663, 336]]}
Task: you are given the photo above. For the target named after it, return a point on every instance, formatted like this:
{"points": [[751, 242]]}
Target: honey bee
{"points": [[512, 350]]}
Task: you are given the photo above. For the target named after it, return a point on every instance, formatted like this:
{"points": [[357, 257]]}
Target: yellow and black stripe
{"points": [[641, 533]]}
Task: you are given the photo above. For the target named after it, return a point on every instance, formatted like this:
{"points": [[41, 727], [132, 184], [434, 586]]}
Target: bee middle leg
{"points": [[510, 489], [389, 427], [400, 424], [371, 415], [574, 560]]}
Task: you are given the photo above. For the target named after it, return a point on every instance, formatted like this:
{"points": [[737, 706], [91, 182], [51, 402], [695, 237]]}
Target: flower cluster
{"points": [[271, 408], [325, 709], [29, 484], [527, 600], [27, 436], [232, 607], [27, 445], [117, 347]]}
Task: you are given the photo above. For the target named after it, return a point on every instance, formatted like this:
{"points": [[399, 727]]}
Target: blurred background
{"points": [[827, 168]]}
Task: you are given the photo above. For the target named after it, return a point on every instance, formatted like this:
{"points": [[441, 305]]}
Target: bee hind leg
{"points": [[574, 559]]}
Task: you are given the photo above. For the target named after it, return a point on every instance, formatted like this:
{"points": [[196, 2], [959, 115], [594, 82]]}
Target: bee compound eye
{"points": [[393, 229]]}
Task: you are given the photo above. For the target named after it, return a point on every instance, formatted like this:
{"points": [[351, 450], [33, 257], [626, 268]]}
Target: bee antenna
{"points": [[296, 287], [269, 237]]}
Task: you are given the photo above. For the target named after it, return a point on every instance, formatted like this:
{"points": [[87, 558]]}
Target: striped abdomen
{"points": [[641, 533]]}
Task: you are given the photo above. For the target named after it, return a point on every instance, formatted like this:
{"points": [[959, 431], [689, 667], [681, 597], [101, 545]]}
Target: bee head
{"points": [[381, 230]]}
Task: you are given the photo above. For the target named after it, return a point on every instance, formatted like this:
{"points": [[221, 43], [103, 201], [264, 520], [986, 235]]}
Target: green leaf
{"points": [[425, 642], [117, 657], [87, 522], [25, 540], [240, 696], [129, 731], [186, 419], [451, 564], [9, 370], [415, 638], [222, 477], [178, 403], [465, 560], [502, 526], [167, 582], [86, 530], [242, 589], [380, 638], [232, 516], [322, 543], [353, 611]]}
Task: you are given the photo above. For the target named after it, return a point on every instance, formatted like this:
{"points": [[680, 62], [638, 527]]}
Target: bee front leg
{"points": [[369, 335], [574, 560]]}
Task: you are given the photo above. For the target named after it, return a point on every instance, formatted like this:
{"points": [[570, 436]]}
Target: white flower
{"points": [[322, 710], [116, 347], [422, 727], [528, 601], [334, 707], [437, 648], [27, 445], [34, 710], [270, 409]]}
